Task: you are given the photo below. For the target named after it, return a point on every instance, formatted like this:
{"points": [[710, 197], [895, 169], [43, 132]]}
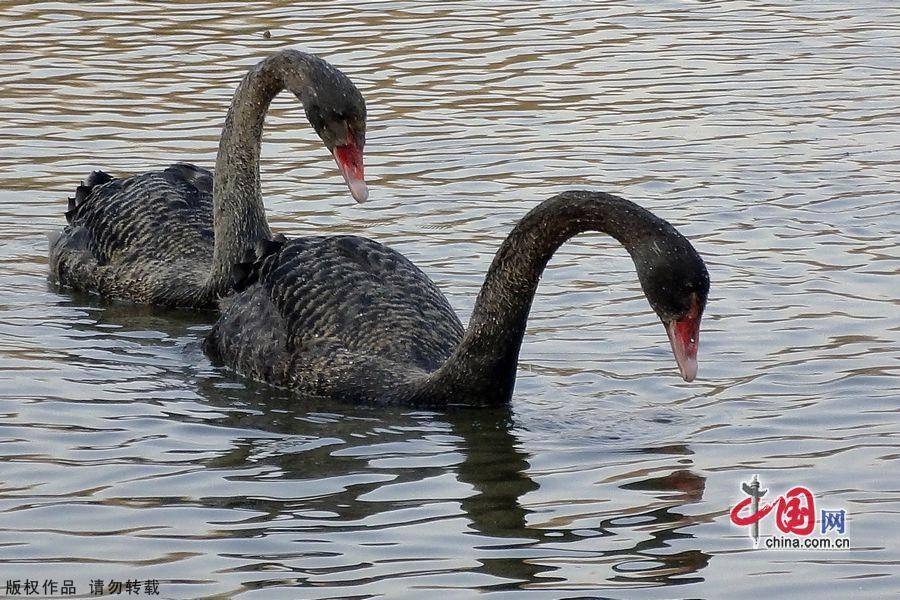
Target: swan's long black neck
{"points": [[239, 219], [483, 368]]}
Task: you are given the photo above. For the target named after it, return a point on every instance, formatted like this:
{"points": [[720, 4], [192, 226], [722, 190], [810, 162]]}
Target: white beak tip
{"points": [[688, 368], [359, 190]]}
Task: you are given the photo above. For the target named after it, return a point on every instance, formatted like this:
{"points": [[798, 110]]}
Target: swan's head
{"points": [[337, 111], [676, 283]]}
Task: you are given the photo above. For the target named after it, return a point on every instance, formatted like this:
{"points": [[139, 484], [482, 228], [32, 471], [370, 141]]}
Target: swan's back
{"points": [[326, 314], [146, 238]]}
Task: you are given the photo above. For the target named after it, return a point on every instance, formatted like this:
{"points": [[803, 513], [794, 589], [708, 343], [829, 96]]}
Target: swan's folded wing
{"points": [[167, 214], [346, 310], [123, 233], [371, 298]]}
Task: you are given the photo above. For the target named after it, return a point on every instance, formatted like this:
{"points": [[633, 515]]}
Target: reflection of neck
{"points": [[239, 219], [495, 468]]}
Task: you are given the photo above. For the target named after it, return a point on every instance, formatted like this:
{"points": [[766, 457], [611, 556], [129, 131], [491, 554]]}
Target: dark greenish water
{"points": [[766, 131]]}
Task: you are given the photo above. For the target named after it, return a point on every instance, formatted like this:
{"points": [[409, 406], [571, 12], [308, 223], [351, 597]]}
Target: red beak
{"points": [[349, 159], [684, 335]]}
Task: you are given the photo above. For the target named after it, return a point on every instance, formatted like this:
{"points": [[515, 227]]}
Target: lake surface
{"points": [[766, 131]]}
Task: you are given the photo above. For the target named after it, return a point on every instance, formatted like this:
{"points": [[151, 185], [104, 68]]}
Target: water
{"points": [[766, 131]]}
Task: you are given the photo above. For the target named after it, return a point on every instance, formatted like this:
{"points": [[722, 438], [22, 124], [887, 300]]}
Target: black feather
{"points": [[81, 193], [98, 178], [241, 276], [266, 248]]}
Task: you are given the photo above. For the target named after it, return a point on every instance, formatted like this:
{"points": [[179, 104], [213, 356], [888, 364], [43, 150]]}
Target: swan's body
{"points": [[147, 238], [171, 237], [347, 317]]}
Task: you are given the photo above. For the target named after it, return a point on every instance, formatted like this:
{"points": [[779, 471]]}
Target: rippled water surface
{"points": [[766, 131]]}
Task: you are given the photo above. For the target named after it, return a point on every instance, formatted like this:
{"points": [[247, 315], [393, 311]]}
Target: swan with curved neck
{"points": [[172, 237], [346, 317]]}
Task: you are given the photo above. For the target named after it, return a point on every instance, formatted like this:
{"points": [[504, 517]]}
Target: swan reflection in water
{"points": [[386, 461], [487, 457]]}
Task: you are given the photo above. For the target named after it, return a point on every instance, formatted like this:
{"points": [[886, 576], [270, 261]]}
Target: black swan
{"points": [[346, 317], [172, 237]]}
